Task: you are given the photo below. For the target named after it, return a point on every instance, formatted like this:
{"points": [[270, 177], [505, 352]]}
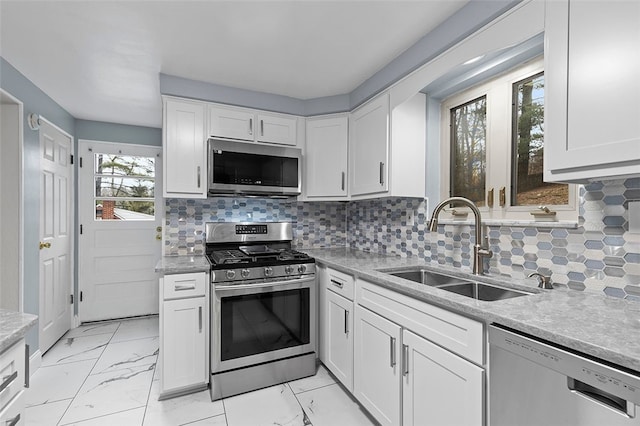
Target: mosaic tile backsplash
{"points": [[600, 255]]}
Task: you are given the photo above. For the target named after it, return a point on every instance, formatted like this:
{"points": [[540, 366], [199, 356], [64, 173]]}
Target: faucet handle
{"points": [[543, 281]]}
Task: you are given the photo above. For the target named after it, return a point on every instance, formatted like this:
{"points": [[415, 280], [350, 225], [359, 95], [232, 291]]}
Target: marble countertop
{"points": [[600, 326], [13, 327], [169, 265]]}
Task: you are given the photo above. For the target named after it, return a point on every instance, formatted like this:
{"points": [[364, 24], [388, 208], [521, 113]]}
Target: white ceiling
{"points": [[100, 60]]}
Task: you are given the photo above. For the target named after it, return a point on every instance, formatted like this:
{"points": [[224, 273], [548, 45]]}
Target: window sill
{"points": [[519, 223]]}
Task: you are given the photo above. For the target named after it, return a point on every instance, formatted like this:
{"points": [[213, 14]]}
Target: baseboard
{"points": [[35, 361]]}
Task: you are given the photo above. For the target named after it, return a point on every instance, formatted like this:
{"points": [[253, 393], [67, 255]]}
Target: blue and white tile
{"points": [[128, 354], [269, 406], [93, 329], [109, 393], [57, 382], [46, 414], [322, 378], [136, 329], [72, 349], [180, 410], [331, 405], [220, 420], [128, 417]]}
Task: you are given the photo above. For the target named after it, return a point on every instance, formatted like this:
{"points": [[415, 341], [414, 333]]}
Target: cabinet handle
{"points": [[200, 318], [7, 380], [251, 126], [503, 196], [346, 322], [26, 366], [198, 176], [14, 421], [182, 287], [381, 173], [337, 283], [392, 349], [405, 360], [343, 176], [261, 127], [490, 198]]}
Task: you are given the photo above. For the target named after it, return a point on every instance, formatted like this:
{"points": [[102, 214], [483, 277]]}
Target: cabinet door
{"points": [[439, 388], [339, 338], [591, 70], [276, 129], [231, 123], [377, 366], [183, 346], [369, 147], [326, 157], [185, 153]]}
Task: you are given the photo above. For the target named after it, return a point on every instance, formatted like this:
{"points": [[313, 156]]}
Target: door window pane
{"points": [[468, 150], [124, 187], [528, 148]]}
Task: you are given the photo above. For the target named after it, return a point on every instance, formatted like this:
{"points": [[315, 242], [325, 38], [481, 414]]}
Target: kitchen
{"points": [[593, 255]]}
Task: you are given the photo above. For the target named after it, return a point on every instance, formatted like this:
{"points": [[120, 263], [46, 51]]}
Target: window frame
{"points": [[499, 103]]}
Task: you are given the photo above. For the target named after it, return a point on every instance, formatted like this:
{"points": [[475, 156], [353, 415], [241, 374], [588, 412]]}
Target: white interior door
{"points": [[56, 260], [120, 242]]}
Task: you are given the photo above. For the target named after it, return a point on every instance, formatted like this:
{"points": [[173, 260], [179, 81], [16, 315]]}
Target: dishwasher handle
{"points": [[602, 397]]}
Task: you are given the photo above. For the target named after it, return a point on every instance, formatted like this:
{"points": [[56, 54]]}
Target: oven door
{"points": [[257, 323]]}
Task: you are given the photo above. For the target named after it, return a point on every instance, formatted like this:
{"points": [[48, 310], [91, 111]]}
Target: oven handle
{"points": [[264, 286]]}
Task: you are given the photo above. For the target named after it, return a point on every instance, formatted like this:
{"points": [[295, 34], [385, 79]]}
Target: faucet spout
{"points": [[479, 251]]}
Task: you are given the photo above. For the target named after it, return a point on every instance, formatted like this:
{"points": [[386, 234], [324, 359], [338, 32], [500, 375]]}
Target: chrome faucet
{"points": [[478, 250]]}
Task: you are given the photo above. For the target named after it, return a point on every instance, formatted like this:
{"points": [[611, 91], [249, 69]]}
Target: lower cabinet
{"points": [[12, 384], [184, 332], [339, 337]]}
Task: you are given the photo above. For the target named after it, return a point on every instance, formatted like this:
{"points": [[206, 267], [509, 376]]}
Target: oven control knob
{"points": [[244, 273], [231, 274], [302, 269], [288, 269], [268, 271]]}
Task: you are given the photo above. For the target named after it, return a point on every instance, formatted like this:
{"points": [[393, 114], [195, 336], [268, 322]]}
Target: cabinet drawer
{"points": [[184, 285], [459, 334], [13, 413], [11, 372], [340, 283]]}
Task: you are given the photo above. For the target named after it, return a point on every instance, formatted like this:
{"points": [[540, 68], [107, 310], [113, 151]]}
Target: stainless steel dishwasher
{"points": [[532, 382]]}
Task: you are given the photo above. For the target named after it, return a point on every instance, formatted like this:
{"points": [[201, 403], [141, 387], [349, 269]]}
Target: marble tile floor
{"points": [[105, 374]]}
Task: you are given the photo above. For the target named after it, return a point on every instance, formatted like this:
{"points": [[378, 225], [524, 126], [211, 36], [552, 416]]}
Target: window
{"points": [[124, 187], [494, 149]]}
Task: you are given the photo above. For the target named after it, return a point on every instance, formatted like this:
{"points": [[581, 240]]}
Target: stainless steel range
{"points": [[263, 307]]}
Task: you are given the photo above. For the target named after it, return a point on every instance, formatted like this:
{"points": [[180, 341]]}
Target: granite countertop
{"points": [[169, 265], [597, 325], [13, 327]]}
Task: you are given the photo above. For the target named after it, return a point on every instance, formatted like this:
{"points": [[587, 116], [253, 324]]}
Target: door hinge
{"points": [[80, 164], [80, 229], [71, 298], [71, 158], [81, 297]]}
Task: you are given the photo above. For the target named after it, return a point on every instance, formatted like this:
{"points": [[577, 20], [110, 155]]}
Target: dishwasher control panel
{"points": [[577, 367]]}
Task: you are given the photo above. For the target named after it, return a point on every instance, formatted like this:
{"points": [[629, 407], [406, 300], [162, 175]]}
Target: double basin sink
{"points": [[474, 290]]}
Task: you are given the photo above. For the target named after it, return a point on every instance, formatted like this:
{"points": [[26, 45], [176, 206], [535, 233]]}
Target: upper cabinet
{"points": [[592, 63], [184, 147], [326, 158], [387, 148], [251, 125]]}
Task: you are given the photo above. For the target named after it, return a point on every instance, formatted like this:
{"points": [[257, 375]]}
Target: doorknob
{"points": [[44, 245]]}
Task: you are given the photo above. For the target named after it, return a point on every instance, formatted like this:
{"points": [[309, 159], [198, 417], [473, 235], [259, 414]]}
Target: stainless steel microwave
{"points": [[252, 169]]}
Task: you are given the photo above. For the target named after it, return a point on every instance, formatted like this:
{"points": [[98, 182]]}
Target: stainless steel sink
{"points": [[474, 290]]}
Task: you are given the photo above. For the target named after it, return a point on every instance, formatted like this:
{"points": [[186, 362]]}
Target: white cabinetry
{"points": [[184, 149], [12, 382], [338, 325], [387, 148], [252, 125], [592, 63], [326, 158], [184, 333]]}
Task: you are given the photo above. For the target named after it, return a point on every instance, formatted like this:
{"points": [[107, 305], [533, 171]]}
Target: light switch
{"points": [[634, 217]]}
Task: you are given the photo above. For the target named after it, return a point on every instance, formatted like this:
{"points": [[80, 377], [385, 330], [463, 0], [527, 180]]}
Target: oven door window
{"points": [[236, 168], [259, 323]]}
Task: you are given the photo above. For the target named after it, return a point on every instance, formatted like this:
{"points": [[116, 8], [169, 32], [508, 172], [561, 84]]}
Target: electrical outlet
{"points": [[410, 217]]}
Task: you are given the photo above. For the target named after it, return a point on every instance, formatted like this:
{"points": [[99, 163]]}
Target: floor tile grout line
{"points": [[313, 389], [304, 413], [104, 415], [224, 408]]}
